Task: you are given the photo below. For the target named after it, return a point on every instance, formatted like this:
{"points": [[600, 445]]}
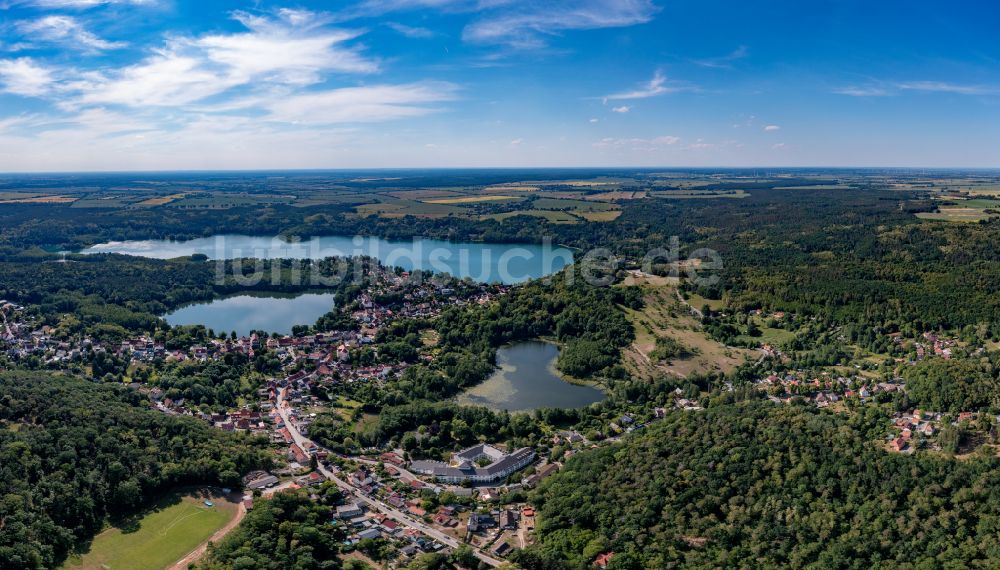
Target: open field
{"points": [[665, 316], [425, 193], [624, 195], [962, 210], [572, 205], [15, 196], [471, 199], [173, 528], [41, 200], [160, 200], [698, 194], [607, 216], [554, 216], [401, 208]]}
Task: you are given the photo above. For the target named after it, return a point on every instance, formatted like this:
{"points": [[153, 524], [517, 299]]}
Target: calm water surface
{"points": [[483, 262], [245, 313], [527, 380]]}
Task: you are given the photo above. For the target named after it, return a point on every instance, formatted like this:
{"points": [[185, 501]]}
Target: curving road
{"points": [[374, 504]]}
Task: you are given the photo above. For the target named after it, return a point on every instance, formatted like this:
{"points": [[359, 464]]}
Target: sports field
{"points": [[165, 534]]}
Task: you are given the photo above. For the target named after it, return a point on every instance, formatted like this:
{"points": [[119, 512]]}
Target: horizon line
{"points": [[453, 168]]}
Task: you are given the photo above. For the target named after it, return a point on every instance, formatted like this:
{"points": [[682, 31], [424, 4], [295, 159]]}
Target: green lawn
{"points": [[164, 535]]}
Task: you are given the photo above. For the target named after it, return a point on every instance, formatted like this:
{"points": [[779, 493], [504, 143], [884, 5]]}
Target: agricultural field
{"points": [[471, 199], [699, 194], [553, 216], [173, 528], [40, 200], [160, 200], [964, 210]]}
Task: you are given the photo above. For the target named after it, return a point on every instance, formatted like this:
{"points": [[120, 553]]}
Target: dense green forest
{"points": [[287, 531], [74, 454], [762, 485]]}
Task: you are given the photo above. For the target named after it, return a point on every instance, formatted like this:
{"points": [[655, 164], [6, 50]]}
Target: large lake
{"points": [[483, 262], [528, 380], [245, 313]]}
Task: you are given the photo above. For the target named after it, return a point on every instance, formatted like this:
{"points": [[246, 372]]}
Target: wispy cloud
{"points": [[527, 24], [361, 104], [772, 128], [658, 85], [725, 61], [884, 89], [640, 144], [411, 31], [23, 76], [81, 4], [622, 109], [862, 91], [293, 49], [521, 24], [945, 87], [65, 30]]}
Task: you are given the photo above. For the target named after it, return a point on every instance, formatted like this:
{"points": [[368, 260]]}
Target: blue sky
{"points": [[186, 84]]}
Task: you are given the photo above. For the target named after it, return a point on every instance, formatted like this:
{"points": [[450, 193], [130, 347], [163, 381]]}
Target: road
{"points": [[5, 324], [373, 504]]}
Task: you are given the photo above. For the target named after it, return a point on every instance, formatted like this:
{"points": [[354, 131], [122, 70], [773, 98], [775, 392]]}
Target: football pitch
{"points": [[163, 535]]}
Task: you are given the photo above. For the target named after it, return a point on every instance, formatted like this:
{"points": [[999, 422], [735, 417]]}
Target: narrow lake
{"points": [[527, 380], [245, 313], [483, 262]]}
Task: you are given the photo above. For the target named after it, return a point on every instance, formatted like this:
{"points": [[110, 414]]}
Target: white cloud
{"points": [[525, 24], [23, 76], [594, 120], [81, 4], [360, 104], [411, 31], [778, 146], [882, 89], [656, 86], [643, 144], [516, 142], [944, 87], [856, 91], [622, 109], [166, 79], [292, 50], [725, 61], [66, 30], [772, 128]]}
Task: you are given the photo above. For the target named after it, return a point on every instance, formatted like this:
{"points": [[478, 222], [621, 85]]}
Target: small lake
{"points": [[245, 313], [483, 262], [528, 380]]}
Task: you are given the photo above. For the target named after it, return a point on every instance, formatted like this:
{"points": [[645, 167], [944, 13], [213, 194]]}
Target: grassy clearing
{"points": [[608, 216], [623, 195], [160, 200], [41, 200], [572, 205], [552, 216], [470, 199], [697, 301], [956, 215], [221, 201], [663, 316], [698, 195], [424, 193], [170, 530], [14, 196], [401, 208], [366, 423]]}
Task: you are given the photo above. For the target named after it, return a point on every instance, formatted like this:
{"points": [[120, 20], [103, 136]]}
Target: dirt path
{"points": [[196, 554]]}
